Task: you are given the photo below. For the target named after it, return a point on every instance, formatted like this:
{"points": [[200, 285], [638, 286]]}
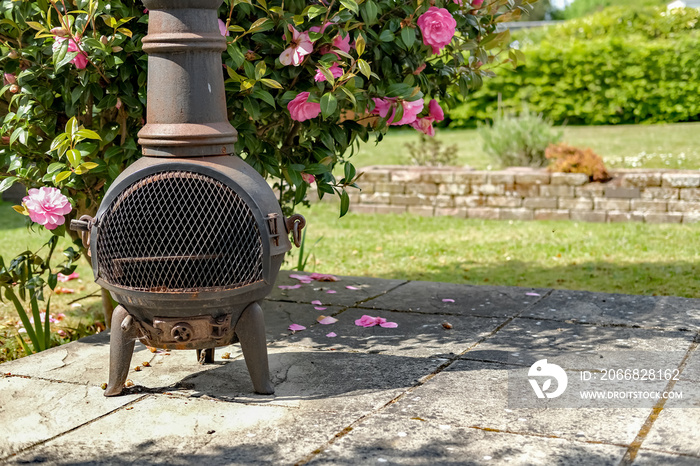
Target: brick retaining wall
{"points": [[635, 195]]}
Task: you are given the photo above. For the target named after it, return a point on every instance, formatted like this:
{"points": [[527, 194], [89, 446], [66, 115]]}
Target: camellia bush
{"points": [[305, 82]]}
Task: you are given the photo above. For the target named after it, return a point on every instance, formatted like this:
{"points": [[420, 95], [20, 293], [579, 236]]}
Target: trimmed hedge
{"points": [[601, 76]]}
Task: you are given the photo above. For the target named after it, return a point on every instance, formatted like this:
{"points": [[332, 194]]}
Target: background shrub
{"points": [[569, 159], [431, 152], [519, 140], [579, 8], [615, 67]]}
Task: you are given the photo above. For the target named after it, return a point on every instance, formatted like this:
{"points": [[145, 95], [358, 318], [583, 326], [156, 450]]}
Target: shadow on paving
{"points": [[676, 278]]}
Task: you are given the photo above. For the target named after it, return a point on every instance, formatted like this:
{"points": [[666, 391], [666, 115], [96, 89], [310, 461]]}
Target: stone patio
{"points": [[416, 394]]}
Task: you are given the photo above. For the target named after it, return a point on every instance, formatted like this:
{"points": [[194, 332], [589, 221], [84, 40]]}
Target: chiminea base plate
{"points": [[202, 333]]}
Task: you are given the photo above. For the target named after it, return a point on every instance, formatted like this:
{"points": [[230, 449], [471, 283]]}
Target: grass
{"points": [[80, 320], [631, 258], [621, 146]]}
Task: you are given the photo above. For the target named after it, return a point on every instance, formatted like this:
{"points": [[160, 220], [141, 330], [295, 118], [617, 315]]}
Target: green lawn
{"points": [[633, 258], [622, 146]]}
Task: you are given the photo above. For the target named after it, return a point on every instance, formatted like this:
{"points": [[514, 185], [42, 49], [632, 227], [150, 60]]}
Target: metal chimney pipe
{"points": [[186, 112]]}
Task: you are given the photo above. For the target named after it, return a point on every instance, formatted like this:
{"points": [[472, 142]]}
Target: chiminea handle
{"points": [[295, 224], [84, 225]]}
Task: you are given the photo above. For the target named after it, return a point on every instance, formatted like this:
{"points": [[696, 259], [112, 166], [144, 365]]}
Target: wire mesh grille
{"points": [[179, 231]]}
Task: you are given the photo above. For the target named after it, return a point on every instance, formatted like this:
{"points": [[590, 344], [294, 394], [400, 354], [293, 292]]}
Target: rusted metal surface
{"points": [[186, 114], [188, 246]]}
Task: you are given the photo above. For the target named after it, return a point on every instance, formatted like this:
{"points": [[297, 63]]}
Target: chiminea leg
{"points": [[250, 329], [121, 349], [205, 356]]}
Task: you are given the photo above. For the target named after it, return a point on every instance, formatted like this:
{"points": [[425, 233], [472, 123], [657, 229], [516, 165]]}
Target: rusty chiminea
{"points": [[189, 239]]}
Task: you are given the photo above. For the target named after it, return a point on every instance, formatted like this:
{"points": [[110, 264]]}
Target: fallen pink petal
{"points": [[296, 327], [301, 278], [532, 294], [331, 335], [320, 308], [350, 287], [389, 324], [65, 278], [331, 291], [327, 320], [323, 277], [448, 300], [289, 287], [316, 302]]}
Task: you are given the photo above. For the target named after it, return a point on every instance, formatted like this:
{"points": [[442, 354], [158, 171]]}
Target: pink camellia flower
{"points": [[336, 72], [322, 28], [300, 47], [342, 43], [437, 27], [47, 206], [424, 125], [418, 70], [410, 110], [9, 78], [222, 28], [81, 60], [308, 178], [301, 109], [436, 111]]}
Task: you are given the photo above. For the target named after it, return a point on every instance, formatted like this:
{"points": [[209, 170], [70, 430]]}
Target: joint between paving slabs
{"points": [[636, 445], [42, 442], [419, 383]]}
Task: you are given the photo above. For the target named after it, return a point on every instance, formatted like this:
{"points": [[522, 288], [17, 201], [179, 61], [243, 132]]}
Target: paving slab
{"points": [[472, 394], [416, 334], [655, 458], [334, 381], [428, 297], [419, 443], [618, 309], [530, 339], [55, 408], [678, 430], [179, 431], [363, 288]]}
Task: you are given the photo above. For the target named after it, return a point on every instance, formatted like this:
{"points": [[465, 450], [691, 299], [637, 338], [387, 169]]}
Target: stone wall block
{"points": [[539, 203], [486, 213], [503, 201], [690, 194], [424, 211], [389, 187], [421, 188], [569, 179], [459, 212], [639, 180], [590, 190], [622, 193], [644, 205], [438, 176], [683, 206], [551, 214], [556, 191], [470, 201], [375, 198], [668, 217], [681, 180], [372, 175], [622, 205], [623, 217], [575, 203], [471, 177], [532, 178], [489, 189], [501, 178], [406, 176], [453, 189], [666, 194]]}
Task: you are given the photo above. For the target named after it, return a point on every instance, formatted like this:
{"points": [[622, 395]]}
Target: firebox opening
{"points": [[179, 231]]}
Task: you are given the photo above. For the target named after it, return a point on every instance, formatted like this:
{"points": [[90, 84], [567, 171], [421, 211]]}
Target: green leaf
{"points": [[408, 36], [316, 10], [349, 172], [87, 134], [66, 59], [364, 67], [260, 69], [72, 127], [360, 45], [386, 36], [74, 157], [63, 175], [349, 93], [55, 166], [328, 104], [256, 26], [264, 96], [235, 28], [7, 183], [344, 203], [350, 5], [271, 83]]}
